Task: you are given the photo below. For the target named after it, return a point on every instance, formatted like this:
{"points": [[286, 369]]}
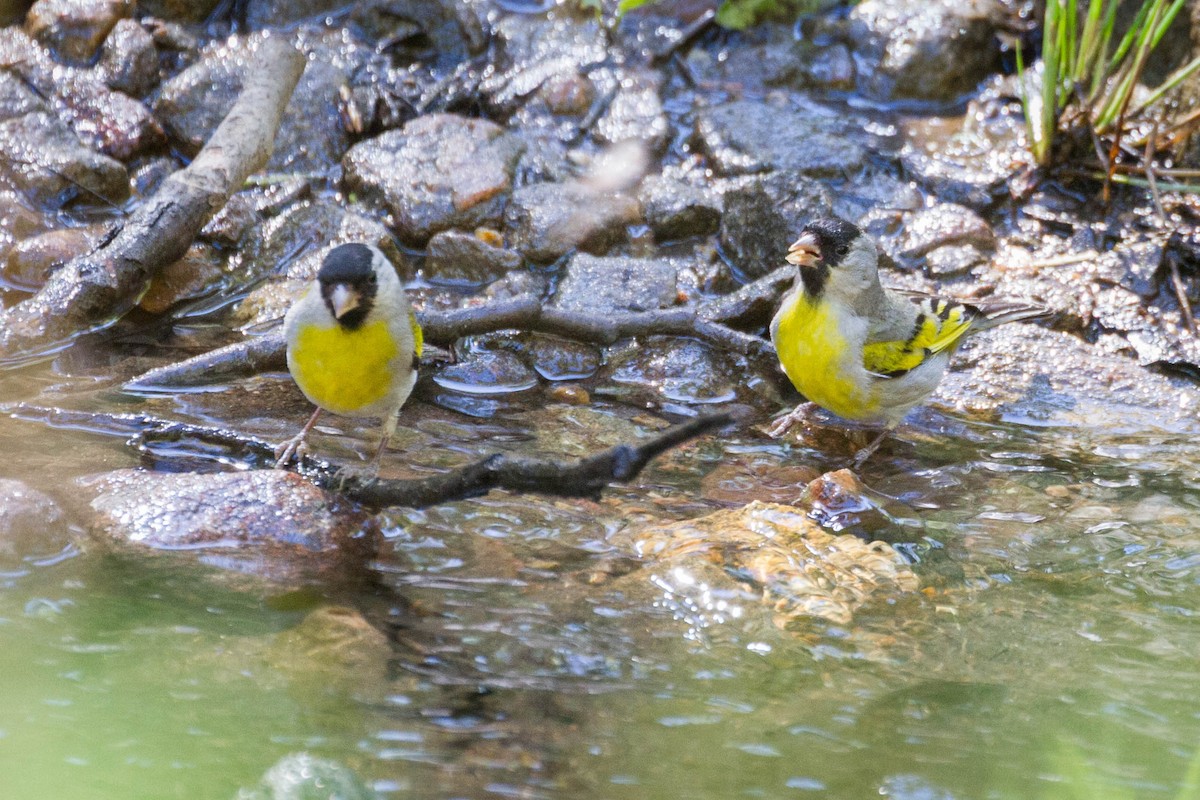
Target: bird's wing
{"points": [[939, 325]]}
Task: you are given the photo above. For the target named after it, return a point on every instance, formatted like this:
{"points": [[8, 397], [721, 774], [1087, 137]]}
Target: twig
{"points": [[1185, 305], [705, 321], [585, 477], [1148, 161], [94, 290]]}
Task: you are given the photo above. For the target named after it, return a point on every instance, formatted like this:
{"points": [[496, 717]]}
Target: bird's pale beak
{"points": [[804, 252], [343, 299]]}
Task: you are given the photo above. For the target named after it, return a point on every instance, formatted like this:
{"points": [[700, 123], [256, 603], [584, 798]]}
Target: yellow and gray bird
{"points": [[353, 342], [866, 353]]}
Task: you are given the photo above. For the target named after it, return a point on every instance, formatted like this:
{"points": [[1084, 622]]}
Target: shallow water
{"points": [[1052, 653]]}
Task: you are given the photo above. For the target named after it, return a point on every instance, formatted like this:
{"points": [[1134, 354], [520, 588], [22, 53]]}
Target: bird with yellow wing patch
{"points": [[866, 353]]}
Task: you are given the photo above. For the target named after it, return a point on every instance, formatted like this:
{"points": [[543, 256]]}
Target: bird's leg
{"points": [[295, 445], [861, 456], [389, 427], [789, 420]]}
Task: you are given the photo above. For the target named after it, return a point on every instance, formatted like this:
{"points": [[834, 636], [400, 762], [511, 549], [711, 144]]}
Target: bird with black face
{"points": [[866, 353], [353, 342]]}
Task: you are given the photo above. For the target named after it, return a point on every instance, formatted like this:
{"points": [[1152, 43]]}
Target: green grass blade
{"points": [[1177, 77], [1130, 35]]}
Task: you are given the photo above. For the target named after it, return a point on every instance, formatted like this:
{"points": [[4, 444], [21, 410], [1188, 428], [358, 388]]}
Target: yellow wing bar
{"points": [[939, 326]]}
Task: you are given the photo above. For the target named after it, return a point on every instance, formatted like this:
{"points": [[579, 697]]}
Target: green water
{"points": [[1053, 655]]}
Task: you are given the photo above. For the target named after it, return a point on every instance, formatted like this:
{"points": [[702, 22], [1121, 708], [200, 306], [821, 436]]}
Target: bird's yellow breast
{"points": [[818, 358], [343, 371]]}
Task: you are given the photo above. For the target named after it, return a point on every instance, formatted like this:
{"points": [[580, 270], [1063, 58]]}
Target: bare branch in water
{"points": [[585, 477]]}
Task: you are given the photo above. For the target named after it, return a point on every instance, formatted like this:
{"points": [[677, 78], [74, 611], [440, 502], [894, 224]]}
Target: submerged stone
{"points": [[468, 258], [301, 776], [801, 571], [31, 261], [31, 523]]}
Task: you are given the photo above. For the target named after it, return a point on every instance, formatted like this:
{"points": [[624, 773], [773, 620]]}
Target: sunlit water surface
{"points": [[1053, 653]]}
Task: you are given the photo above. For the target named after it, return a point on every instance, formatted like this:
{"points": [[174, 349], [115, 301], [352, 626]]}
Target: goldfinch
{"points": [[866, 353], [353, 342]]}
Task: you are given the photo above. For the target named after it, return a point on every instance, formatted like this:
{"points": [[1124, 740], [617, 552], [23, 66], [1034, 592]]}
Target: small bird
{"points": [[353, 342], [864, 352]]}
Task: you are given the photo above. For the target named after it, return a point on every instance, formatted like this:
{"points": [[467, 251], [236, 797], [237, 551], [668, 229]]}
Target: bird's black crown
{"points": [[834, 237], [349, 264]]}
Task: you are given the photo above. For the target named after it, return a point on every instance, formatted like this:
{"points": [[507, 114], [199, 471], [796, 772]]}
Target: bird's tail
{"points": [[992, 314]]}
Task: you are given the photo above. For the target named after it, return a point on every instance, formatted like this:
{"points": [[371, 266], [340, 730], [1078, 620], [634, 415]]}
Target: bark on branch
{"points": [[93, 290], [709, 321], [585, 477]]}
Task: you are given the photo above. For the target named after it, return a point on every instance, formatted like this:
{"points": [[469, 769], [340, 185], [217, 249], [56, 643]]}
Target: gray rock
{"points": [[31, 523], [466, 258], [432, 31], [676, 210], [945, 224], [311, 137], [301, 776], [798, 65], [16, 98], [1023, 373], [558, 359], [874, 190], [257, 510], [487, 372], [762, 217], [964, 170], [953, 261], [531, 52], [440, 171], [18, 221], [548, 220], [674, 370], [129, 59], [604, 285], [923, 50], [111, 122], [745, 137], [635, 113], [74, 29], [51, 166]]}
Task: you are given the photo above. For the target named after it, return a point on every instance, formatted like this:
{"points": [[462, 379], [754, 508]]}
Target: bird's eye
{"points": [[843, 249]]}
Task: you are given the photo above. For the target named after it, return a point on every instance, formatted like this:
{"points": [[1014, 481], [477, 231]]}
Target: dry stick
{"points": [[585, 477], [94, 290], [706, 321]]}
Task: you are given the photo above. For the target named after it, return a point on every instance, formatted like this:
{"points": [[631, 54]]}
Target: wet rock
{"points": [[437, 32], [129, 59], [920, 50], [942, 225], [18, 221], [548, 220], [200, 272], [440, 171], [1025, 374], [16, 98], [49, 164], [468, 258], [876, 192], [970, 167], [762, 217], [530, 53], [32, 260], [840, 502], [74, 29], [744, 477], [31, 523], [605, 285], [109, 121], [568, 95], [311, 137], [746, 137], [635, 113], [954, 260], [301, 776], [801, 571], [570, 393], [487, 372], [676, 210], [675, 370], [266, 304], [558, 359], [179, 10], [264, 521], [231, 224]]}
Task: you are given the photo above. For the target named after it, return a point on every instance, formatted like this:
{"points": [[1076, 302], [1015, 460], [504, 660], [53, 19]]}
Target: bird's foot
{"points": [[292, 448], [796, 416]]}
